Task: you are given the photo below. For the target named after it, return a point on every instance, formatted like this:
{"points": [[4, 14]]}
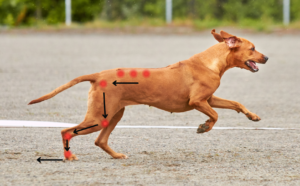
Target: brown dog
{"points": [[187, 85]]}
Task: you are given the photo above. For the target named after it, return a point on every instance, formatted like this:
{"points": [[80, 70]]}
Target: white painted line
{"points": [[191, 127], [19, 123]]}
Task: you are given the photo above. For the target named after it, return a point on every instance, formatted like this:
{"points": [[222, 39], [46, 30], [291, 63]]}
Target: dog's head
{"points": [[242, 52]]}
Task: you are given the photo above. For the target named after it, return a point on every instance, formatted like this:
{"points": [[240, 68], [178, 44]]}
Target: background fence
{"points": [[30, 12]]}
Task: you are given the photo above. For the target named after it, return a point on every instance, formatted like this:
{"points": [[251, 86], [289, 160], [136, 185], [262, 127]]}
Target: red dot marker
{"points": [[133, 73], [104, 123], [103, 83], [68, 154], [120, 73], [67, 136], [146, 73]]}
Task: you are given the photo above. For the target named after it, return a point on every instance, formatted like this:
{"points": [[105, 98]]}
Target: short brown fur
{"points": [[183, 86]]}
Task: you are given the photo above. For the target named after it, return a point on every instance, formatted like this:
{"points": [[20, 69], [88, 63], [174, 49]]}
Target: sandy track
{"points": [[33, 65], [161, 156]]}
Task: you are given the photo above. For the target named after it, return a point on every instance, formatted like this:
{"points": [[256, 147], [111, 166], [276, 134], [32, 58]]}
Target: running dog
{"points": [[187, 85]]}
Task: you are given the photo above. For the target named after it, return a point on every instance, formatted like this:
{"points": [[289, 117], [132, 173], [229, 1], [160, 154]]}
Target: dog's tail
{"points": [[90, 77]]}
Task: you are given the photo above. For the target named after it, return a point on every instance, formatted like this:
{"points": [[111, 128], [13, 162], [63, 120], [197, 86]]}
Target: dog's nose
{"points": [[266, 58]]}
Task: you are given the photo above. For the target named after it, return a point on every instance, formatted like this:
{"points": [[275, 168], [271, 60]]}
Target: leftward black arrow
{"points": [[115, 83], [104, 115], [39, 159], [67, 148], [75, 131]]}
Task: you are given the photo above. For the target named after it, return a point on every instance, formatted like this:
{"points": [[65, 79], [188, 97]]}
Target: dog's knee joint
{"points": [[63, 131]]}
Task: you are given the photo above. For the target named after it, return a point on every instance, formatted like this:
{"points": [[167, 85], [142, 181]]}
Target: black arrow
{"points": [[115, 83], [39, 159], [67, 148], [75, 131], [104, 115]]}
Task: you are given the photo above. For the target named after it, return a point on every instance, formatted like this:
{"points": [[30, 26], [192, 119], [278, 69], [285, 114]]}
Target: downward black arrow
{"points": [[104, 115], [115, 83], [75, 131], [67, 148], [39, 159]]}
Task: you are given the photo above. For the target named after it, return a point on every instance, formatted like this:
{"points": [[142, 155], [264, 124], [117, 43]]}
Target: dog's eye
{"points": [[252, 49]]}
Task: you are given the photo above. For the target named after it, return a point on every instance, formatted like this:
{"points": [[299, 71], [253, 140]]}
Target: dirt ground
{"points": [[32, 65]]}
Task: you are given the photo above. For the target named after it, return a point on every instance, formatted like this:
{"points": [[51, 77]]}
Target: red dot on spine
{"points": [[146, 73], [67, 136], [120, 73], [133, 73], [68, 154], [104, 123], [103, 83]]}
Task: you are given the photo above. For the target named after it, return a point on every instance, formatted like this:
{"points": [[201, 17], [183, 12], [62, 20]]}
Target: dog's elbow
{"points": [[192, 103], [195, 103]]}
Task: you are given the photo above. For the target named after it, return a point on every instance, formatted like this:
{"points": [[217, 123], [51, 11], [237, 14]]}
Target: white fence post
{"points": [[68, 12], [169, 11], [286, 12]]}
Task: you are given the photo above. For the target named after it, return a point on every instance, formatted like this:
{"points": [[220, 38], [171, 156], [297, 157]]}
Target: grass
{"points": [[263, 25]]}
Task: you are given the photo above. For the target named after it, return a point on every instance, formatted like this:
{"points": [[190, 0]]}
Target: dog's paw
{"points": [[203, 128], [71, 158], [253, 116], [120, 156]]}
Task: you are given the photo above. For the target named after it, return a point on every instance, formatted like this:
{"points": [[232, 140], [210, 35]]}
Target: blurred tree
{"points": [[9, 11], [15, 12], [126, 9], [295, 10], [29, 12], [252, 9], [152, 8]]}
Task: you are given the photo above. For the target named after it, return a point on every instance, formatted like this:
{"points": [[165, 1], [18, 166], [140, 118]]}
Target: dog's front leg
{"points": [[217, 102], [205, 108]]}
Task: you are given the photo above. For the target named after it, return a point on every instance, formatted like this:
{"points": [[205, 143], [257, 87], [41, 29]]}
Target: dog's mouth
{"points": [[252, 65]]}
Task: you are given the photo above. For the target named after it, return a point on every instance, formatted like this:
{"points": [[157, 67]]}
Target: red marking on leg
{"points": [[103, 83], [146, 73], [68, 154], [104, 123], [133, 73], [67, 136], [120, 73]]}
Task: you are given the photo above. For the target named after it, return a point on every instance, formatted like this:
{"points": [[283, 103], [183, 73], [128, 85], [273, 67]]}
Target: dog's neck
{"points": [[214, 58]]}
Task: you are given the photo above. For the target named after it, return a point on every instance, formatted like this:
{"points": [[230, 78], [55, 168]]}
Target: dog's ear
{"points": [[218, 37], [231, 40]]}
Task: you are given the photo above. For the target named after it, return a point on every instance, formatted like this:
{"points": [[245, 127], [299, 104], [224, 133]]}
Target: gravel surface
{"points": [[34, 64]]}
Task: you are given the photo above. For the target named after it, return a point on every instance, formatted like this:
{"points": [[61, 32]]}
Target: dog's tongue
{"points": [[253, 65]]}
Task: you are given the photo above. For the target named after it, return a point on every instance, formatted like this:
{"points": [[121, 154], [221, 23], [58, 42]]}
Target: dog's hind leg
{"points": [[217, 102], [102, 139], [68, 133], [94, 116]]}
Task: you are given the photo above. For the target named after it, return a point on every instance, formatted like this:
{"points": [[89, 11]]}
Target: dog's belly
{"points": [[168, 100], [167, 93], [170, 105], [174, 107]]}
